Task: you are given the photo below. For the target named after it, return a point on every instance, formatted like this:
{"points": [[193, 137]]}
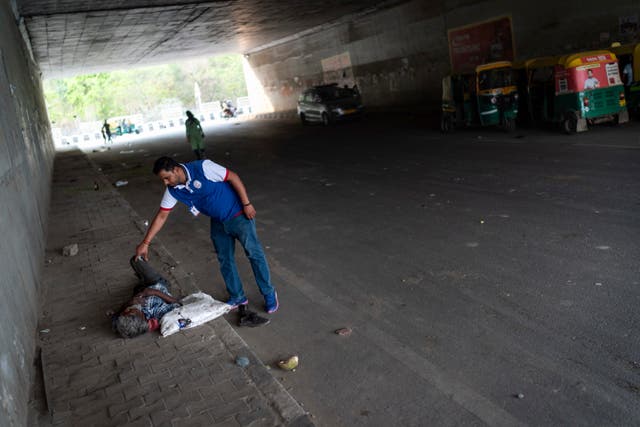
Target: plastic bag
{"points": [[196, 309]]}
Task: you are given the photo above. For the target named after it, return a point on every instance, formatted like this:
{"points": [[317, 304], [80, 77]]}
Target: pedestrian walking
{"points": [[195, 135], [106, 132], [217, 192]]}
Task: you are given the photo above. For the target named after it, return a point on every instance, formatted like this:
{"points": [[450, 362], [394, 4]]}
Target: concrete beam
{"points": [[76, 37]]}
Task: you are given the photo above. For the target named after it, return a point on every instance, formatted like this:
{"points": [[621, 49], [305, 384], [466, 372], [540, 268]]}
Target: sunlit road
{"points": [[488, 278]]}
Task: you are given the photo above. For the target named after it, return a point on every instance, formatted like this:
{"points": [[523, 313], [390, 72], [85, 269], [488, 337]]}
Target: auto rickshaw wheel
{"points": [[570, 123], [303, 120], [325, 119], [615, 120]]}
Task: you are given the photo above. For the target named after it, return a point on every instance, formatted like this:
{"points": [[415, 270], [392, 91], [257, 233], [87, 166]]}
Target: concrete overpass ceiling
{"points": [[83, 36]]}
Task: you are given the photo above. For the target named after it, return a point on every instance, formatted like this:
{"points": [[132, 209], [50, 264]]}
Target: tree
{"points": [[95, 97]]}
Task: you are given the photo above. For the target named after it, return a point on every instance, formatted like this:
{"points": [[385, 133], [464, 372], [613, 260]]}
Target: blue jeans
{"points": [[223, 236]]}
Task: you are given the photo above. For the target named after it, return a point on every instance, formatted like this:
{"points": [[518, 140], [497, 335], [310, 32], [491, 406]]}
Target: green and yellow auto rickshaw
{"points": [[488, 97], [629, 63], [588, 90]]}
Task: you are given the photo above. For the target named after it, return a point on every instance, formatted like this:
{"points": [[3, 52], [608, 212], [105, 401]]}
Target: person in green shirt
{"points": [[195, 135]]}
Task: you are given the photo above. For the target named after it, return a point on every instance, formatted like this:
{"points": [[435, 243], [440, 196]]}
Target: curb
{"points": [[274, 393], [279, 115]]}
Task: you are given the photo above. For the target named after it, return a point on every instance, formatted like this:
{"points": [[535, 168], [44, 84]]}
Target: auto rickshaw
{"points": [[122, 125], [587, 90], [488, 97], [629, 58]]}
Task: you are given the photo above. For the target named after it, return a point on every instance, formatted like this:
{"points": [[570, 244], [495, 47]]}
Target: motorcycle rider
{"points": [[228, 110]]}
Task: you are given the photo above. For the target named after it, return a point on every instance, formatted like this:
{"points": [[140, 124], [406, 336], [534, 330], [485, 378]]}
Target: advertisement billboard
{"points": [[480, 43]]}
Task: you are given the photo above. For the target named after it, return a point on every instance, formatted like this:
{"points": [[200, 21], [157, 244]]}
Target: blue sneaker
{"points": [[235, 302], [271, 302]]}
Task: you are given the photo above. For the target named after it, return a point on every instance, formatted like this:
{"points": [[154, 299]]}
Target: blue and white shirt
{"points": [[155, 307], [206, 190]]}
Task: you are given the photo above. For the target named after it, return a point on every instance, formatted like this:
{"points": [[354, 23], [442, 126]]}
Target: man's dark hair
{"points": [[164, 164]]}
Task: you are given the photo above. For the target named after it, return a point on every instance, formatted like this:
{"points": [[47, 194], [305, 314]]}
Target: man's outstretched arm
{"points": [[156, 225], [147, 292]]}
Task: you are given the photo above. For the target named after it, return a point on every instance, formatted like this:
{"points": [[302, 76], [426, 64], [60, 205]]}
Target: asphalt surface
{"points": [[488, 278]]}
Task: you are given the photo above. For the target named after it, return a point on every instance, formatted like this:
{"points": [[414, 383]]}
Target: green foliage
{"points": [[95, 97]]}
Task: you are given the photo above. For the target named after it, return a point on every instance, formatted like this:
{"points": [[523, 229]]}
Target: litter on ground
{"points": [[289, 364]]}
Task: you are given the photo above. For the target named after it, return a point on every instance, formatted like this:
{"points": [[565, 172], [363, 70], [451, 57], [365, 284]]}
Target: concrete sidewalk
{"points": [[92, 377]]}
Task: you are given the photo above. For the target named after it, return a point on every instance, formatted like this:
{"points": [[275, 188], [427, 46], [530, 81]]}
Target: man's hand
{"points": [[143, 293], [249, 211], [138, 298], [142, 250]]}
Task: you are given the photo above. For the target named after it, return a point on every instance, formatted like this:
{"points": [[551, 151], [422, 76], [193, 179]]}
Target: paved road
{"points": [[472, 267]]}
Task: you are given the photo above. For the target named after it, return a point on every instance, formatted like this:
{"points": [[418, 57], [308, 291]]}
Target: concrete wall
{"points": [[26, 158], [399, 54]]}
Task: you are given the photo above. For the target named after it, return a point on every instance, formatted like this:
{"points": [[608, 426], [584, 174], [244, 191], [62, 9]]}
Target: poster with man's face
{"points": [[593, 75]]}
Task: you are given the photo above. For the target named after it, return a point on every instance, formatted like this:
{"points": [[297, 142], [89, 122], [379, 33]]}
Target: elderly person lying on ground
{"points": [[151, 300]]}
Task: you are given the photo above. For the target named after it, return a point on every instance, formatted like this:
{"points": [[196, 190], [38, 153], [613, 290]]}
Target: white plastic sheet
{"points": [[199, 308]]}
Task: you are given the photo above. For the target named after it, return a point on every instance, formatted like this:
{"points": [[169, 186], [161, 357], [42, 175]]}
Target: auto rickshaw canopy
{"points": [[583, 58], [543, 61], [493, 65], [625, 49]]}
